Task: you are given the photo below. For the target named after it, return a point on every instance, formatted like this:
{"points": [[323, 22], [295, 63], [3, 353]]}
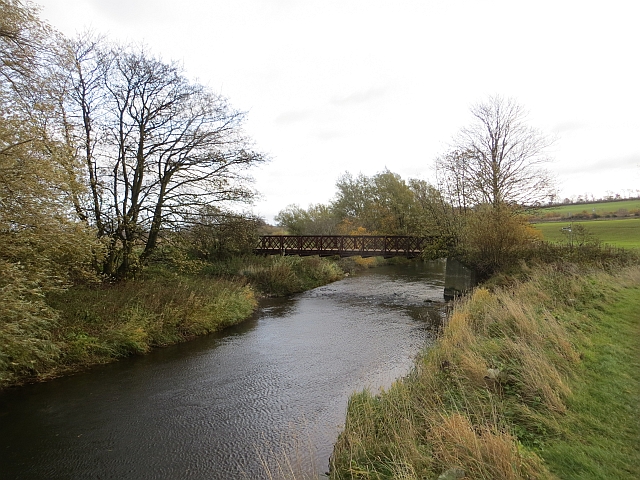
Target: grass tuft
{"points": [[97, 325], [521, 384]]}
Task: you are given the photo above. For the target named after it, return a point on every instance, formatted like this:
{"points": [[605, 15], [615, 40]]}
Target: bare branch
{"points": [[497, 159]]}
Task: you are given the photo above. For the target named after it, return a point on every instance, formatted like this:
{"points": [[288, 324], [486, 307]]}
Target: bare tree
{"points": [[498, 159], [83, 71], [454, 180], [157, 147], [219, 233]]}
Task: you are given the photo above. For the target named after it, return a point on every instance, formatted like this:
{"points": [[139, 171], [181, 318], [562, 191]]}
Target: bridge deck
{"points": [[343, 245]]}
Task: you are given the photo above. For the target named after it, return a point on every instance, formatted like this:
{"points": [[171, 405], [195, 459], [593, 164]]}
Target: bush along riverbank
{"points": [[69, 329], [537, 380]]}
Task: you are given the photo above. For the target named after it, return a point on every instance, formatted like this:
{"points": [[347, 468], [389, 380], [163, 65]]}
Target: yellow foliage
{"points": [[495, 237], [480, 452], [359, 231], [367, 262]]}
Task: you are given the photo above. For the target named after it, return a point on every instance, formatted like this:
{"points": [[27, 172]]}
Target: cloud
{"points": [[130, 12], [568, 126], [359, 97], [625, 162], [356, 98], [293, 116], [329, 134]]}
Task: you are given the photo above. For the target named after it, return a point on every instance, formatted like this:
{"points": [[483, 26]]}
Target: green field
{"points": [[620, 233], [599, 208]]}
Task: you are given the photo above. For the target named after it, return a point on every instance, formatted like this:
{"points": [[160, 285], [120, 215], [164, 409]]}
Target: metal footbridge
{"points": [[343, 245]]}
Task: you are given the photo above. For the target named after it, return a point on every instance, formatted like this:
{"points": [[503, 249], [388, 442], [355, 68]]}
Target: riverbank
{"points": [[225, 406], [536, 380], [86, 325]]}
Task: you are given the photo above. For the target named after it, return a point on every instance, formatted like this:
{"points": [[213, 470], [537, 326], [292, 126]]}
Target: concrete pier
{"points": [[458, 279]]}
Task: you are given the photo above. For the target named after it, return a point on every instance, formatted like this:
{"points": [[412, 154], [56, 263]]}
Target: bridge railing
{"points": [[343, 245]]}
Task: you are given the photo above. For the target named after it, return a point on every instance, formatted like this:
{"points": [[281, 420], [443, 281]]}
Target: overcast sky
{"points": [[364, 85]]}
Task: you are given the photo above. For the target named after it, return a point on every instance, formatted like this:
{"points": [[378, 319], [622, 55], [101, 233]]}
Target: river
{"points": [[269, 391]]}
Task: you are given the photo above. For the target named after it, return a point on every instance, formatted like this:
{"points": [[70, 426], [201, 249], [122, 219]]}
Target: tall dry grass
{"points": [[492, 389], [279, 276], [97, 324]]}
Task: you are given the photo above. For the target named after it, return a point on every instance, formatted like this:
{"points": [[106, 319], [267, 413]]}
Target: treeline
{"points": [[380, 204], [627, 194], [109, 154]]}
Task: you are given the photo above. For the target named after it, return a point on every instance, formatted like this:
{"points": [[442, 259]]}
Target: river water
{"points": [[270, 391]]}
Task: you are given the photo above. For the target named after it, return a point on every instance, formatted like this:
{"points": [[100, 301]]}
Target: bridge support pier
{"points": [[458, 279]]}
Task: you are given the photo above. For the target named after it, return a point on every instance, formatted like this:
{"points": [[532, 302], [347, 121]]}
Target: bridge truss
{"points": [[343, 245]]}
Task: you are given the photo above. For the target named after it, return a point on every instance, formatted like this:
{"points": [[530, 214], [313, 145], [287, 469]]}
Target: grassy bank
{"points": [[538, 380], [610, 209], [624, 233], [602, 426], [91, 325], [171, 302]]}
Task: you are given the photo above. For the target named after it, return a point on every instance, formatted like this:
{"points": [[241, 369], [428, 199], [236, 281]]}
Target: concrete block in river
{"points": [[458, 279]]}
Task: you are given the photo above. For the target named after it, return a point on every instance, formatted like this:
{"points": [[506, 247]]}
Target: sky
{"points": [[360, 86]]}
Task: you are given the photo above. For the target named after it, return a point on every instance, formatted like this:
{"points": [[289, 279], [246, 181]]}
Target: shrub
{"points": [[280, 275], [494, 238], [27, 346]]}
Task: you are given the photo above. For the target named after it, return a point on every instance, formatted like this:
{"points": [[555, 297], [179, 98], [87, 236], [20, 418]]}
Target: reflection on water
{"points": [[213, 407]]}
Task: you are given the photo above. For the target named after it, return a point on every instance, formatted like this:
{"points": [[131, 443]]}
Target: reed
{"points": [[279, 276], [97, 325]]}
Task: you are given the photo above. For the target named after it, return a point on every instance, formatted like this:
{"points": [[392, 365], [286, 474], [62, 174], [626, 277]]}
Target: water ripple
{"points": [[218, 407]]}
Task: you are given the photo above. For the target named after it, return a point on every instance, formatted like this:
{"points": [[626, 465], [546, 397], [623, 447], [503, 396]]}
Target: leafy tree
{"points": [[42, 248], [316, 220], [353, 198], [22, 35], [293, 218], [382, 203], [498, 159], [36, 226], [435, 217], [393, 205]]}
